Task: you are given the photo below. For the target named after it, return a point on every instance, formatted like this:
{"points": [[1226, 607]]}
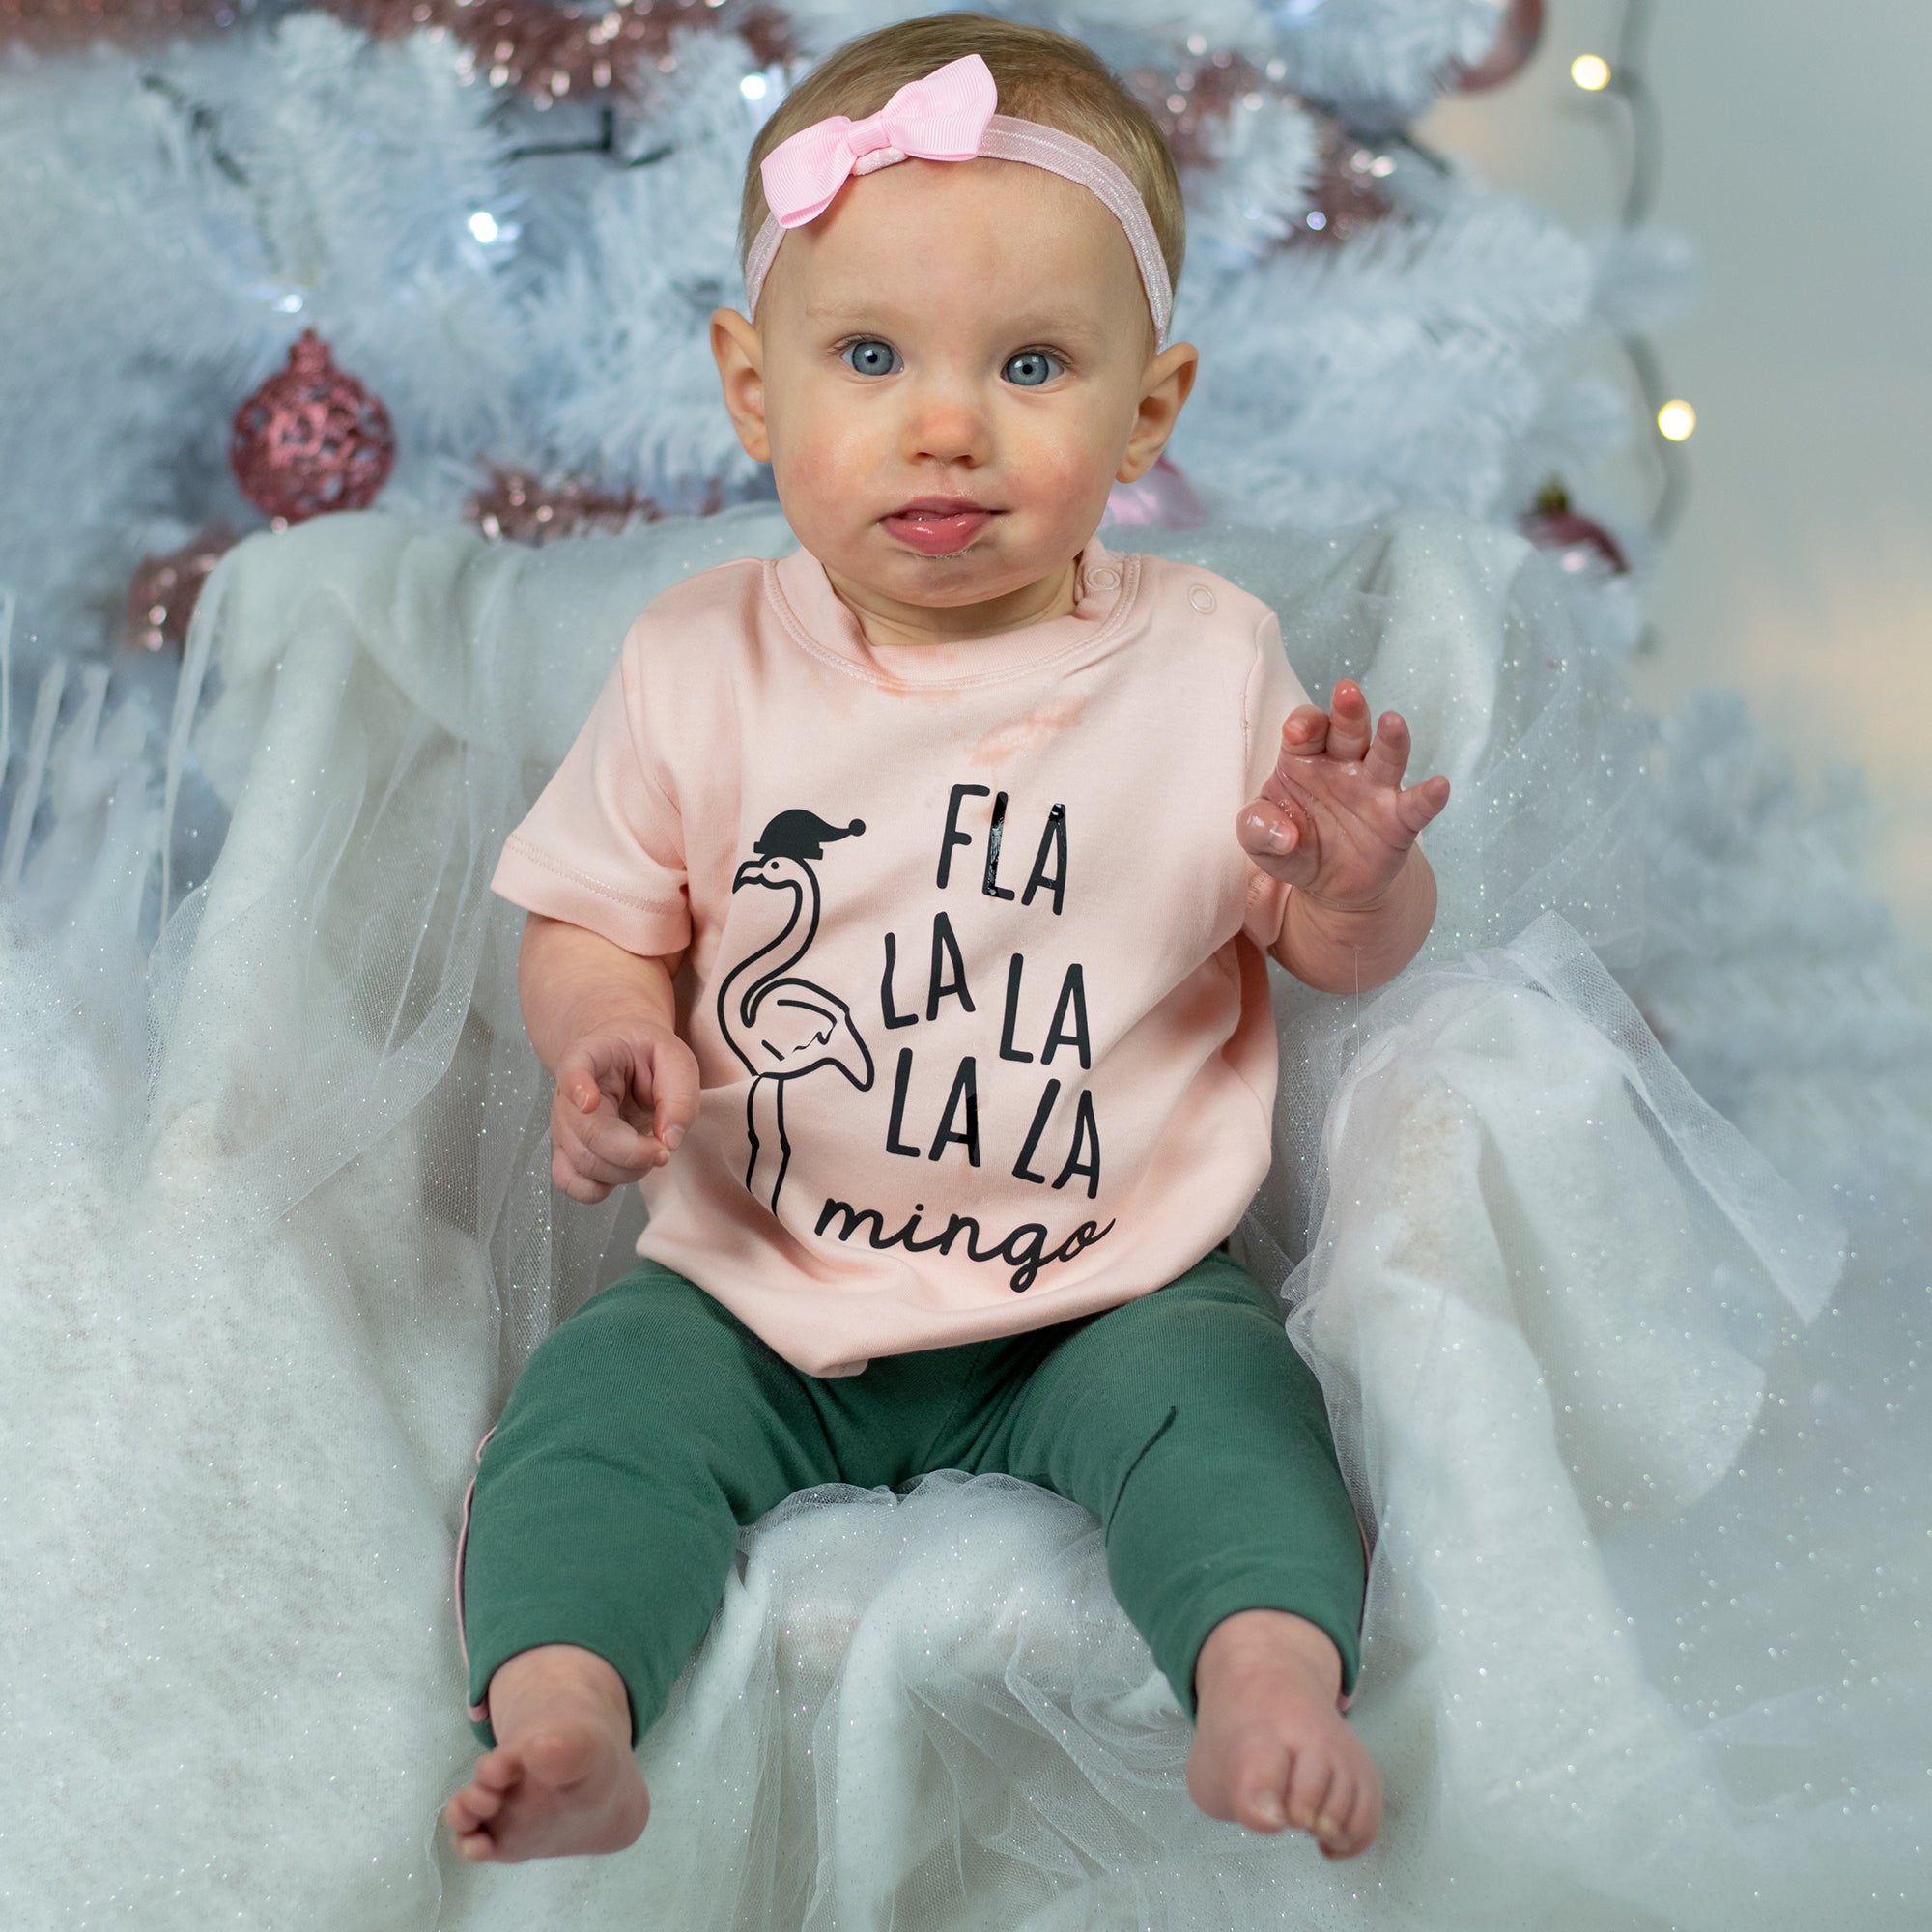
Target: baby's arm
{"points": [[602, 1021]]}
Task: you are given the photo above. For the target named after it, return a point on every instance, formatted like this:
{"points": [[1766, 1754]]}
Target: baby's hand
{"points": [[624, 1097], [1333, 820]]}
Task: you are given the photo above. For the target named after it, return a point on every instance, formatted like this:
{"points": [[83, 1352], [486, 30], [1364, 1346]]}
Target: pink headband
{"points": [[947, 116]]}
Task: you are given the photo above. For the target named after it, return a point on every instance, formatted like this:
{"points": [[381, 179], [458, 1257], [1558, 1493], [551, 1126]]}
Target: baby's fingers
{"points": [[1348, 729], [580, 1079], [673, 1090], [566, 1178], [1420, 803], [1304, 734], [607, 1147], [1388, 756], [1271, 835], [586, 1174]]}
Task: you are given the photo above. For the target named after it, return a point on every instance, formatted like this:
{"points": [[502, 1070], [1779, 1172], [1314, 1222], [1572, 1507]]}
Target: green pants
{"points": [[650, 1425]]}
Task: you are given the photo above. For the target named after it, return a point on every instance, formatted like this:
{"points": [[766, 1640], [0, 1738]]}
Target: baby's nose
{"points": [[947, 426]]}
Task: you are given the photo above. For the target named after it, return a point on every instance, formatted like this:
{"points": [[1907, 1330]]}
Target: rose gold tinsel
{"points": [[55, 24], [519, 508], [551, 53], [1201, 90], [1348, 195], [547, 53], [162, 591]]}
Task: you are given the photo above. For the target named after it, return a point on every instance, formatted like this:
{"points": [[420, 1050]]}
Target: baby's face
{"points": [[966, 329]]}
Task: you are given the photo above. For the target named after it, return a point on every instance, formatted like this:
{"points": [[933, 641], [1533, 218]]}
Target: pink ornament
{"points": [[311, 440], [1578, 542], [1514, 42], [1162, 498]]}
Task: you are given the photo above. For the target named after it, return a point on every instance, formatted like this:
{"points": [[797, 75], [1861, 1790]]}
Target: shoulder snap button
{"points": [[1201, 597]]}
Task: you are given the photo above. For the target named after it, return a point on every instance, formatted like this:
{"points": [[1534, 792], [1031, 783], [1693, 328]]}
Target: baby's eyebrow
{"points": [[1079, 327]]}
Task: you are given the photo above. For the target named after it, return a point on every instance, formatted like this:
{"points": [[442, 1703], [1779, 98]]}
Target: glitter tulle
{"points": [[1638, 1419]]}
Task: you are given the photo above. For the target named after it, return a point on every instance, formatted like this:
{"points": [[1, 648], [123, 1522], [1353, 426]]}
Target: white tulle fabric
{"points": [[279, 1236]]}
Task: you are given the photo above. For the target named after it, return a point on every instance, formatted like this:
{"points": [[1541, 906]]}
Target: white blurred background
{"points": [[1793, 155]]}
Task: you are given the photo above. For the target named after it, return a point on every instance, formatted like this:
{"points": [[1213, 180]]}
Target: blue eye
{"points": [[1030, 360], [873, 350]]}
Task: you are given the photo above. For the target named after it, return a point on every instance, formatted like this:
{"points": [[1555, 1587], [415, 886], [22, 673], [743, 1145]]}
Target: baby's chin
{"points": [[940, 563], [981, 571]]}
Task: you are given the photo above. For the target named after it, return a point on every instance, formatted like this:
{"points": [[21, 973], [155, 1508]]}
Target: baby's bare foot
{"points": [[1270, 1747], [563, 1779]]}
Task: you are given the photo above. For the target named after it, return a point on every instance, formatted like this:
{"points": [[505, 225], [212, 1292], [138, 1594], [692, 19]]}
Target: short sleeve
{"points": [[1273, 691], [603, 847]]}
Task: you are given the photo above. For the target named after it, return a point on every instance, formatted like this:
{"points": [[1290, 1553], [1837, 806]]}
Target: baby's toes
{"points": [[1332, 1816], [483, 1796], [475, 1802], [498, 1770], [1368, 1818], [468, 1835], [1308, 1788], [1258, 1792], [1360, 1824]]}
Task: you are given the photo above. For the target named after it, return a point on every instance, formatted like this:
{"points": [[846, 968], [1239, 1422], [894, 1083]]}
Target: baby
{"points": [[899, 922]]}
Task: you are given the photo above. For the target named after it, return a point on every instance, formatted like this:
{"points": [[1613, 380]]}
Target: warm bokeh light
{"points": [[1676, 420], [1590, 71]]}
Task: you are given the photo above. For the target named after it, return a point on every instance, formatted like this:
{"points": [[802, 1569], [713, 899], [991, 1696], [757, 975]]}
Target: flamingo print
{"points": [[781, 1028]]}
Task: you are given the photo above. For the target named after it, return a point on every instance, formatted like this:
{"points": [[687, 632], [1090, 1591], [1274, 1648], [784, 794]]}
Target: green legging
{"points": [[651, 1424]]}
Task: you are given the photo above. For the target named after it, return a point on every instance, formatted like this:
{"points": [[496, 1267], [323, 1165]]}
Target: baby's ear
{"points": [[739, 354]]}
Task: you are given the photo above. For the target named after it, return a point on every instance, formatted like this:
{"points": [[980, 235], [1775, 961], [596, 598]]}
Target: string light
{"points": [[1676, 420], [1624, 82], [1590, 71]]}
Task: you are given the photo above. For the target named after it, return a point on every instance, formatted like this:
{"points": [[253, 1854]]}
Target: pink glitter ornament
{"points": [[1163, 498], [311, 440], [1514, 42], [1579, 541]]}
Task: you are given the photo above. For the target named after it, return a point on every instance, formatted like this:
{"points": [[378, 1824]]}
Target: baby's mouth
{"points": [[937, 533]]}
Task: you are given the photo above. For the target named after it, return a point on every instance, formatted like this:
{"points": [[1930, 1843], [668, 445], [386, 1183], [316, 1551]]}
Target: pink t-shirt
{"points": [[974, 975]]}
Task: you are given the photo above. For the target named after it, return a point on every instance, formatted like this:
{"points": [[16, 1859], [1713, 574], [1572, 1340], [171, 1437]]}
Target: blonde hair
{"points": [[1042, 76]]}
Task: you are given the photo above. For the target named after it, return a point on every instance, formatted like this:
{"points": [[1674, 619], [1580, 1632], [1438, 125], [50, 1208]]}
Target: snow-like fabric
{"points": [[1644, 1642]]}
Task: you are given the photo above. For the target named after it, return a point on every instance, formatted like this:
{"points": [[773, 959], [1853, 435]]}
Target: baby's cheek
{"points": [[1066, 483]]}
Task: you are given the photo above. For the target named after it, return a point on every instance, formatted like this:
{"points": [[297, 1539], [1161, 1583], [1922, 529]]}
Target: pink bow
{"points": [[940, 117]]}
